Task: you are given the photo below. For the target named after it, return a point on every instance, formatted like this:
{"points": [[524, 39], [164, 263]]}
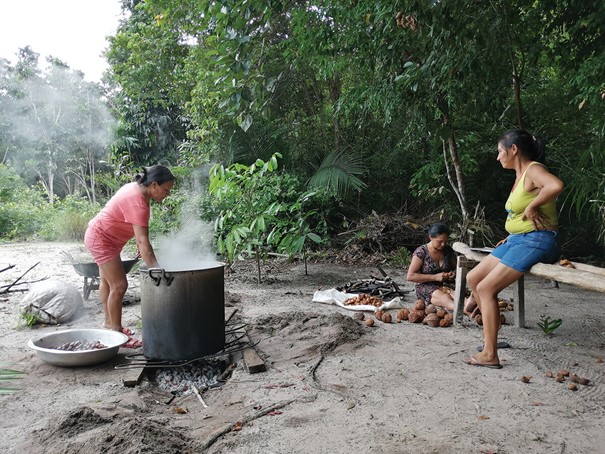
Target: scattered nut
{"points": [[526, 378], [549, 374], [386, 317], [360, 316], [580, 380], [370, 322], [572, 387], [420, 305], [402, 314], [563, 373]]}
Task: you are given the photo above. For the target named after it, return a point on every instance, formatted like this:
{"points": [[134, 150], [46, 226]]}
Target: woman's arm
{"points": [[414, 274], [548, 188], [141, 235]]}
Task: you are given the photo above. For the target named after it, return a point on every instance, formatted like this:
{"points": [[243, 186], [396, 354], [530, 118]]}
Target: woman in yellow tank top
{"points": [[532, 224]]}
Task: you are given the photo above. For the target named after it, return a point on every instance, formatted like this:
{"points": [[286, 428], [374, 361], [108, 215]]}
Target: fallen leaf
{"points": [[238, 425], [274, 412], [482, 417], [526, 378]]}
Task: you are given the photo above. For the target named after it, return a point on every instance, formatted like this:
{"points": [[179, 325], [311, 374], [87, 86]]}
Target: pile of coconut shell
{"points": [[431, 315]]}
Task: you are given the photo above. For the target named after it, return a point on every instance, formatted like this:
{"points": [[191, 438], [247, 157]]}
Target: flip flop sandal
{"points": [[133, 343], [127, 332], [472, 361], [501, 344]]}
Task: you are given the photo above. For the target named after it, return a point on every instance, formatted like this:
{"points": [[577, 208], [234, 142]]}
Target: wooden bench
{"points": [[584, 276]]}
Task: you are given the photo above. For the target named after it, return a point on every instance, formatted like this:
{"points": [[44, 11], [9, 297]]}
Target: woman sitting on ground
{"points": [[433, 270]]}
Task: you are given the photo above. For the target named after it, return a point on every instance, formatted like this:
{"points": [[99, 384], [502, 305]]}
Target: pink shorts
{"points": [[101, 249]]}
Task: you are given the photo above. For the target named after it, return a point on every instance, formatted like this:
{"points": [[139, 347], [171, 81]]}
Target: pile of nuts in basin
{"points": [[80, 346]]}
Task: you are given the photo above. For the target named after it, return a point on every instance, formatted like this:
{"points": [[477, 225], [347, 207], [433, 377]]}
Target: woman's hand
{"points": [[501, 242], [537, 218]]}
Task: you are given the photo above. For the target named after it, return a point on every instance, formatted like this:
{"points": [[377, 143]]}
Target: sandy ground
{"points": [[332, 384]]}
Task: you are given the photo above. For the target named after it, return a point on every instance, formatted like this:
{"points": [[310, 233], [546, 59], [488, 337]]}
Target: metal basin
{"points": [[46, 346]]}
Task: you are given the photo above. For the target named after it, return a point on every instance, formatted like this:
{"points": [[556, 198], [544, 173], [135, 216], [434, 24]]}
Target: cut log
{"points": [[254, 364]]}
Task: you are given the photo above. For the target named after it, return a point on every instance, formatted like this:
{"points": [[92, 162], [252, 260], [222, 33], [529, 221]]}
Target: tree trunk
{"points": [[457, 179]]}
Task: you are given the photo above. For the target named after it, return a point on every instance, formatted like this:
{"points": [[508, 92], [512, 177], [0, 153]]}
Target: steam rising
{"points": [[191, 246], [188, 248]]}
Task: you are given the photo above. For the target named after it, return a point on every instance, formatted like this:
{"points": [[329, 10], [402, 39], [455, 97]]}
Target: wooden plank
{"points": [[585, 277], [461, 271], [254, 364], [133, 377]]}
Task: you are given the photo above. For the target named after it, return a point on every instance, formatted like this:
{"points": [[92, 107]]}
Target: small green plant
{"points": [[6, 375], [28, 319], [400, 258], [549, 325]]}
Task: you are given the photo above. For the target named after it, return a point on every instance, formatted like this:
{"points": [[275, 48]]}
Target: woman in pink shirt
{"points": [[125, 216]]}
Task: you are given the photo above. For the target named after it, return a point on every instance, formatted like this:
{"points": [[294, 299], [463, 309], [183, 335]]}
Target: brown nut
{"points": [[432, 320], [549, 374], [526, 378], [359, 316], [370, 322], [402, 314], [420, 305], [386, 317], [572, 386]]}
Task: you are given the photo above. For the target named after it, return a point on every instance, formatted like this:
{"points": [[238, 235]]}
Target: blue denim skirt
{"points": [[523, 250]]}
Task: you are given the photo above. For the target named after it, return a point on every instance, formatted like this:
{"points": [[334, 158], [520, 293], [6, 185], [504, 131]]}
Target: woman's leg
{"points": [[486, 292], [444, 300], [112, 290]]}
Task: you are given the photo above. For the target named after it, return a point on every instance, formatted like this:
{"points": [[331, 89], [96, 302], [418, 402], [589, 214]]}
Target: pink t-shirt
{"points": [[111, 229]]}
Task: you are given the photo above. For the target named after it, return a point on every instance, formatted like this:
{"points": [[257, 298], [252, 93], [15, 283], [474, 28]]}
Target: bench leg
{"points": [[519, 295], [459, 293]]}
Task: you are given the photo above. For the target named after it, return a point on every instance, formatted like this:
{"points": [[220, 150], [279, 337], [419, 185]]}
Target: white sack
{"points": [[333, 296], [52, 301]]}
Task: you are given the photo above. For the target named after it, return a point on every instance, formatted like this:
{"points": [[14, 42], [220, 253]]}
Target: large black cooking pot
{"points": [[183, 312]]}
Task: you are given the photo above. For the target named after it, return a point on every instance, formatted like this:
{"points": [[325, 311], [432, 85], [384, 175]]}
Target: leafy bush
{"points": [[22, 209], [68, 218], [260, 210]]}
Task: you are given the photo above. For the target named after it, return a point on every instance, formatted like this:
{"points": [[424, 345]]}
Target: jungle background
{"points": [[296, 126]]}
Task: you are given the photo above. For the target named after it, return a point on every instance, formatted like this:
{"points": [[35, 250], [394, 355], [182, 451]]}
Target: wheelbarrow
{"points": [[90, 273]]}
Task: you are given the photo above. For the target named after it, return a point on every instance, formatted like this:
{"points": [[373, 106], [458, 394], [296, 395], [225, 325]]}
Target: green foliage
{"points": [[27, 319], [548, 325], [67, 219], [7, 375], [259, 210], [22, 209], [246, 205], [400, 258]]}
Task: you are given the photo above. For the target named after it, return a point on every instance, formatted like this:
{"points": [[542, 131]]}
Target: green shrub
{"points": [[22, 209], [68, 219], [400, 258]]}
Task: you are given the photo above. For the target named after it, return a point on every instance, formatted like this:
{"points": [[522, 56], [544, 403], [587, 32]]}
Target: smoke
{"points": [[53, 120], [190, 247]]}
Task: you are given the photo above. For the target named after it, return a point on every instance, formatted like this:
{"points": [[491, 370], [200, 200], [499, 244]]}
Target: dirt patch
{"points": [[331, 382], [297, 335], [84, 430]]}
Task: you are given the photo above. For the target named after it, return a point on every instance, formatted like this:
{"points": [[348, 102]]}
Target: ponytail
{"points": [[528, 145]]}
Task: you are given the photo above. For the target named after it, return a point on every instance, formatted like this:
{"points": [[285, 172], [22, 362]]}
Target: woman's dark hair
{"points": [[159, 174], [528, 145], [434, 230]]}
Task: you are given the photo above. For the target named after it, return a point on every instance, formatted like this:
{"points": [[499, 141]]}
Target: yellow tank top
{"points": [[517, 202]]}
